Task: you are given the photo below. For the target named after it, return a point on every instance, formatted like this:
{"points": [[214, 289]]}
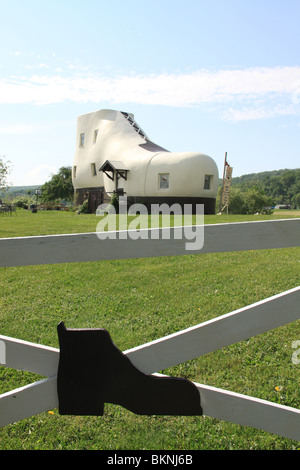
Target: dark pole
{"points": [[225, 163]]}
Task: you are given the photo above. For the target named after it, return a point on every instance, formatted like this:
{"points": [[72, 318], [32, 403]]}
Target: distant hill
{"points": [[283, 186], [15, 191], [265, 175]]}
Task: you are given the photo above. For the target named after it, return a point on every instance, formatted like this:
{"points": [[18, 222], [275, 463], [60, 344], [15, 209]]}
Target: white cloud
{"points": [[20, 128], [252, 93], [40, 174]]}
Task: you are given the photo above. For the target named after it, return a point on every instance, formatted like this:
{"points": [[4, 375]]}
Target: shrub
{"points": [[251, 201], [23, 202], [115, 202], [84, 208]]}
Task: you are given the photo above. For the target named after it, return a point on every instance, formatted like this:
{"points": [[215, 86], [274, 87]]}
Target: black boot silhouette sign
{"points": [[92, 371]]}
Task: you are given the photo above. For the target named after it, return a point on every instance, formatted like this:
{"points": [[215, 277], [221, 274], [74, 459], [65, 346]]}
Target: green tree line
{"points": [[282, 186], [258, 192], [58, 189]]}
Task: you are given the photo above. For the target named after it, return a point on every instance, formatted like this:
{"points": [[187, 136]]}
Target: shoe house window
{"points": [[95, 136], [74, 171], [93, 169], [81, 140], [207, 181], [164, 181]]}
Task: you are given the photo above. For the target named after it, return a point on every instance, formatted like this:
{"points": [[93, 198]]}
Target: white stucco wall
{"points": [[187, 171]]}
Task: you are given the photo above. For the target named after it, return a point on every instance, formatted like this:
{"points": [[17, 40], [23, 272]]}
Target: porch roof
{"points": [[111, 165]]}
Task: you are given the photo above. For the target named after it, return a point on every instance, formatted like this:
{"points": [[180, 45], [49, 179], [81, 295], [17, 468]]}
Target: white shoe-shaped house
{"points": [[113, 154]]}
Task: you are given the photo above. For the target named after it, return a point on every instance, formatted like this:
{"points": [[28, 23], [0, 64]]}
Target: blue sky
{"points": [[210, 76]]}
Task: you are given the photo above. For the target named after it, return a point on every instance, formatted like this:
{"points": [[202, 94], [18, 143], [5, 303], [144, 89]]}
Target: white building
{"points": [[113, 154]]}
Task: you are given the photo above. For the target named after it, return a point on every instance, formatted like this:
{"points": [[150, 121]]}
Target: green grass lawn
{"points": [[139, 301]]}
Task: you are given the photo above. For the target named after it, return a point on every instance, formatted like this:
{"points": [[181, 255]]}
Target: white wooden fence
{"points": [[170, 350]]}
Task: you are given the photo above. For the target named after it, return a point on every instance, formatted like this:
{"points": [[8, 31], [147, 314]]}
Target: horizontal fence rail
{"points": [[28, 401], [31, 357], [217, 238], [241, 409]]}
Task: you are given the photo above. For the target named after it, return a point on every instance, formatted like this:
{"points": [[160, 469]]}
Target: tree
{"points": [[250, 201], [59, 187], [296, 201], [257, 201], [4, 172], [237, 203]]}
